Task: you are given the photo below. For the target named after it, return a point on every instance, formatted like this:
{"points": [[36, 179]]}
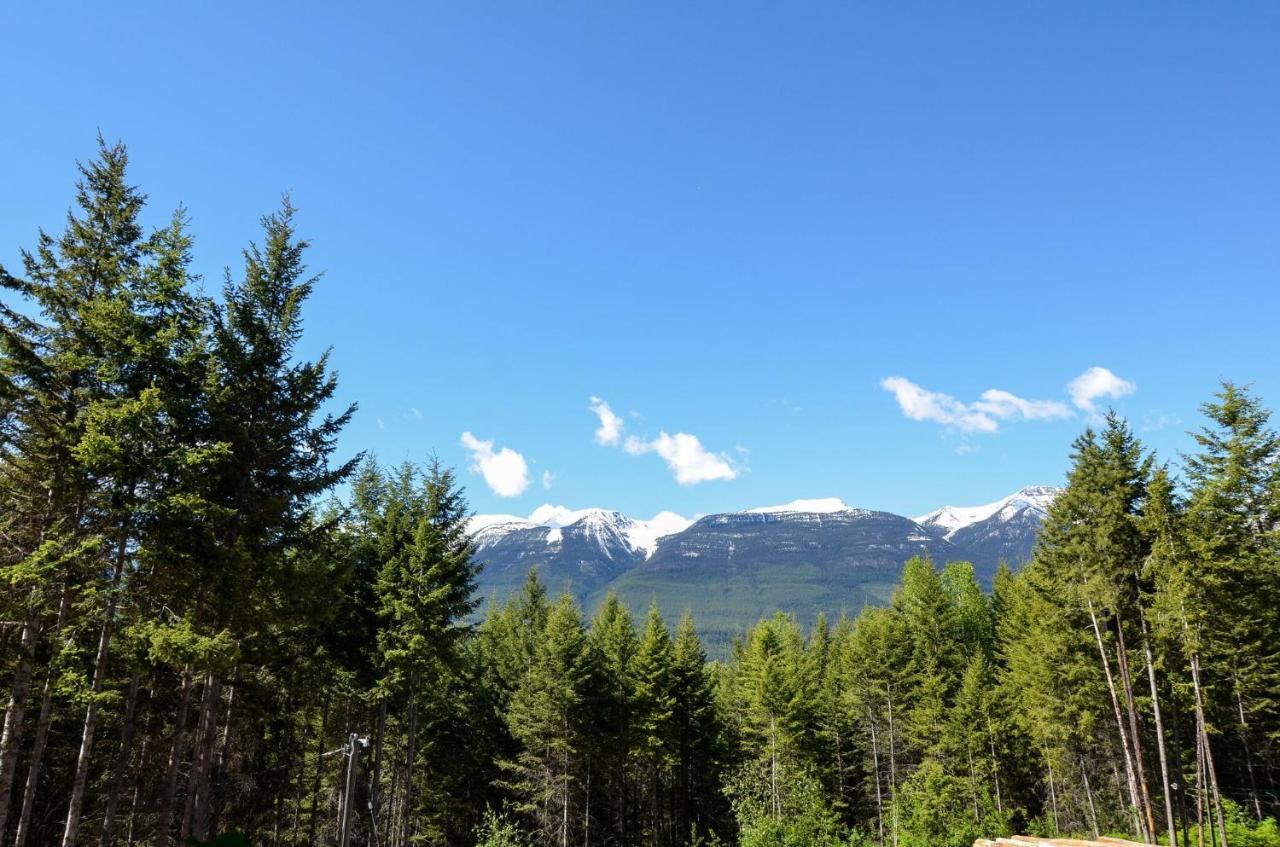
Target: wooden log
{"points": [[1122, 842]]}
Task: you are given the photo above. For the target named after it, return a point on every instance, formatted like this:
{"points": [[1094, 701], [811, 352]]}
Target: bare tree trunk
{"points": [[11, 736], [81, 779], [1170, 822], [1088, 793], [41, 738], [875, 769], [1210, 771], [1115, 704], [177, 749], [1244, 742], [1200, 789], [995, 765], [1126, 680], [893, 773], [107, 835]]}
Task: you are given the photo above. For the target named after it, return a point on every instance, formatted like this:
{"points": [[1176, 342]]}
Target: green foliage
{"points": [[804, 818], [496, 830], [1246, 831], [937, 809]]}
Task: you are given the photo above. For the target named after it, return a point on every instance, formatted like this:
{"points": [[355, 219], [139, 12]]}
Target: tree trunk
{"points": [[81, 779], [410, 753], [11, 737], [195, 819], [41, 738], [1053, 794], [1115, 704], [1244, 743], [1170, 822], [107, 835], [214, 804], [1126, 680], [315, 783], [875, 769], [177, 749], [375, 789], [1200, 789], [1088, 793], [131, 831], [1210, 771], [995, 765], [893, 773]]}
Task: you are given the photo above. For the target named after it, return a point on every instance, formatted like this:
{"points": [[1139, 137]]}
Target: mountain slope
{"points": [[577, 551], [730, 569], [1001, 531]]}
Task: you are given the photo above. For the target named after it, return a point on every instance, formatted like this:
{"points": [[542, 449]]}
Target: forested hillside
{"points": [[206, 631]]}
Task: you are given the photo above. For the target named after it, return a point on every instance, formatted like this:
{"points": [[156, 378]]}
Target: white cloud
{"points": [[921, 405], [684, 454], [686, 457], [1003, 405], [982, 415], [1094, 384], [610, 430], [505, 471], [547, 478], [417, 413]]}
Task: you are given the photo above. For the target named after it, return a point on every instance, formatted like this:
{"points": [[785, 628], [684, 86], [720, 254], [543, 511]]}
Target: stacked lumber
{"points": [[1036, 841]]}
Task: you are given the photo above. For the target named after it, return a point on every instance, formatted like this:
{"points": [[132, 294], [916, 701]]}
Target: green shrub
{"points": [[805, 819], [498, 831], [937, 809]]}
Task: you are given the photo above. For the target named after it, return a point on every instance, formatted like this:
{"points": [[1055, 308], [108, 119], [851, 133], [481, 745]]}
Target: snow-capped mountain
{"points": [[605, 526], [1001, 531], [581, 549], [802, 556], [1034, 499], [821, 506]]}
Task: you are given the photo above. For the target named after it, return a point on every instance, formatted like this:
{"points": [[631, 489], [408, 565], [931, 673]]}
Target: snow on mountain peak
{"points": [[953, 518], [559, 516], [598, 523], [644, 535], [820, 506]]}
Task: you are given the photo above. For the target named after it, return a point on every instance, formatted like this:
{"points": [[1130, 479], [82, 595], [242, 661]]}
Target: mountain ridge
{"points": [[729, 568]]}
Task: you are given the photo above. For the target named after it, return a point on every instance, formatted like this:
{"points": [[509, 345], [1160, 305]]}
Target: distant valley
{"points": [[730, 569]]}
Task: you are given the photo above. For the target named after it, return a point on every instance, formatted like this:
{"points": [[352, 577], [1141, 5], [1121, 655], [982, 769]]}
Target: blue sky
{"points": [[728, 220]]}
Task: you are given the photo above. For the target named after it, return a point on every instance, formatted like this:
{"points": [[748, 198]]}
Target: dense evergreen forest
{"points": [[212, 623]]}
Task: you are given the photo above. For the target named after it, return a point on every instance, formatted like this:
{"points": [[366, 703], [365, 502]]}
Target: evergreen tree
{"points": [[699, 738], [614, 639], [550, 715], [655, 748], [1232, 522]]}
